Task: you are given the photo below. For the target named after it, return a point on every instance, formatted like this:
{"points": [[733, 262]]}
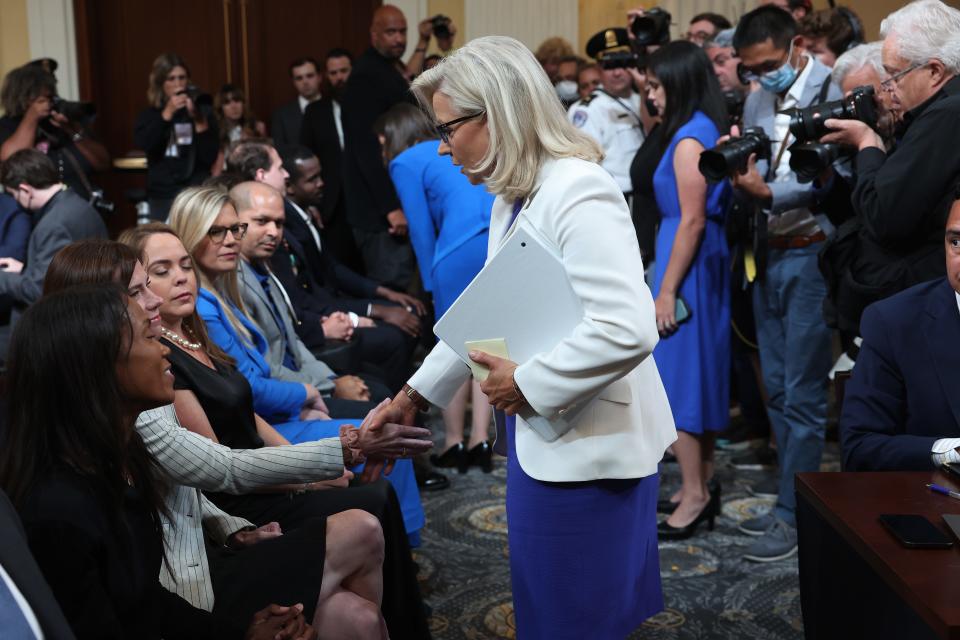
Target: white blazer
{"points": [[605, 367]]}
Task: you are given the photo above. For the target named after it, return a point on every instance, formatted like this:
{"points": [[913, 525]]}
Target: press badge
{"points": [[183, 132]]}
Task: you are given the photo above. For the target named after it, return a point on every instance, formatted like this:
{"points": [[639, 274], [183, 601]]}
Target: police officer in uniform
{"points": [[611, 114]]}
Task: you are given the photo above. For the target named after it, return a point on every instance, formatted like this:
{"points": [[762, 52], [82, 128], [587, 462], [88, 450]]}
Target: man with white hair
{"points": [[903, 198], [863, 66]]}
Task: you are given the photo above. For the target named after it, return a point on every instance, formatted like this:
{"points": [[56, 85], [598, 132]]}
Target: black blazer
{"points": [[285, 123], [319, 134], [374, 86], [19, 564], [105, 572], [905, 392]]}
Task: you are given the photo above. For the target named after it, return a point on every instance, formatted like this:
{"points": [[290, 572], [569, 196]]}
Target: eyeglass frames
{"points": [[218, 234], [444, 128], [890, 83]]}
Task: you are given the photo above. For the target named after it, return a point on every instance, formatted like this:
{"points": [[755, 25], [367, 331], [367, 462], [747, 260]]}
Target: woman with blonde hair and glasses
{"points": [[581, 501]]}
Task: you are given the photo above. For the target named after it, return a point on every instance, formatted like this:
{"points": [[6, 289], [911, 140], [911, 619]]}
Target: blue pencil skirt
{"points": [[583, 555]]}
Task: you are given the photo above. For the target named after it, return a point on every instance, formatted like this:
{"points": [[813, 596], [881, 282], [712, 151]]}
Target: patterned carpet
{"points": [[710, 592]]}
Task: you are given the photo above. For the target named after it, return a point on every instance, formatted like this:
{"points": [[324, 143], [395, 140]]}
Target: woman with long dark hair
{"points": [[691, 275], [449, 226], [90, 495]]}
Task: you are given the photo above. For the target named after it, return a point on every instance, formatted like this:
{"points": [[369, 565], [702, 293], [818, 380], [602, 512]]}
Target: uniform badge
{"points": [[579, 118]]}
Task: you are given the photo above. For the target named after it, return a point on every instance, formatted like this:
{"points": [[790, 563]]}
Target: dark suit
{"points": [[16, 560], [319, 134], [374, 86], [285, 123], [905, 392], [64, 219]]}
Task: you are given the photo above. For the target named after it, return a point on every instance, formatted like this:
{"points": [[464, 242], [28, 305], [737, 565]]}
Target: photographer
{"points": [[36, 118], [902, 199], [793, 338], [179, 136]]}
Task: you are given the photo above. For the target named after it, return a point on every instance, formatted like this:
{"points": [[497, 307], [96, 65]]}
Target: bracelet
{"points": [[350, 441], [416, 398], [77, 137], [520, 396]]}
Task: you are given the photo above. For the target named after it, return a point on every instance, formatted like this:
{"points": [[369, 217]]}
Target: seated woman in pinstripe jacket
{"points": [[245, 576]]}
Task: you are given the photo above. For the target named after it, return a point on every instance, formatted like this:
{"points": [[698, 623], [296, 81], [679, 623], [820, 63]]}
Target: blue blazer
{"points": [[905, 391], [15, 228], [443, 209], [275, 400]]}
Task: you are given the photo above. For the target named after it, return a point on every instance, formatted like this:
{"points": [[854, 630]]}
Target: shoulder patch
{"points": [[579, 118]]}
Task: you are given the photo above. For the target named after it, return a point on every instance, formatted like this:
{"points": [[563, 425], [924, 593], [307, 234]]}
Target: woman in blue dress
{"points": [[449, 222], [209, 228], [691, 276]]}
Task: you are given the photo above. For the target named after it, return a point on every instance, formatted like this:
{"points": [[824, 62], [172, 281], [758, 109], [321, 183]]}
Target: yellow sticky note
{"points": [[494, 346]]}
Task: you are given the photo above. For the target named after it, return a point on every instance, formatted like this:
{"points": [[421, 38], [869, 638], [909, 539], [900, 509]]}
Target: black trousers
{"points": [[402, 603], [388, 259]]}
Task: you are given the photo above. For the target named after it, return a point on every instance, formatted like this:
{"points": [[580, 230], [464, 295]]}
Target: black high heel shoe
{"points": [[664, 505], [708, 515], [455, 456], [481, 456]]}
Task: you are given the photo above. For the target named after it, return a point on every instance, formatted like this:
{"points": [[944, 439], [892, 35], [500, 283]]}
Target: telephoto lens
{"points": [[809, 159], [653, 27], [807, 124], [732, 156]]}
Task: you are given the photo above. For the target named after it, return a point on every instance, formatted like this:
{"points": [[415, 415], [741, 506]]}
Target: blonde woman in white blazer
{"points": [[581, 508]]}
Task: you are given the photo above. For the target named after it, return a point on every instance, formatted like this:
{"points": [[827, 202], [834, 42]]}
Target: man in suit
{"points": [[901, 408], [322, 133], [287, 119], [793, 338], [28, 608], [60, 217]]}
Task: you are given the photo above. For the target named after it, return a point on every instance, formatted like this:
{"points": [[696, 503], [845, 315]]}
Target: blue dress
{"points": [[279, 401], [449, 220], [694, 362]]}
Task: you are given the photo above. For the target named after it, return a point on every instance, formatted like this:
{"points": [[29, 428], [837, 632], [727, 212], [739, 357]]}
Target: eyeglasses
{"points": [[753, 74], [218, 234], [894, 80], [444, 128]]}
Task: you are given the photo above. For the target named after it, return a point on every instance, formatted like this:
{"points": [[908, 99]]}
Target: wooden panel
{"points": [[276, 37]]}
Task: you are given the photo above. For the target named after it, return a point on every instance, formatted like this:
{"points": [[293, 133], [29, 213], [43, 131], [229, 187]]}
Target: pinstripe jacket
{"points": [[193, 462]]}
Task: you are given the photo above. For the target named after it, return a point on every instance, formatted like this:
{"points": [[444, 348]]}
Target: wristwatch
{"points": [[415, 397]]}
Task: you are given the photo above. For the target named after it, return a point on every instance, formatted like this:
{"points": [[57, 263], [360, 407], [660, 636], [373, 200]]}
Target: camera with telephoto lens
{"points": [[441, 26], [199, 98], [809, 159], [81, 113], [806, 124], [618, 60], [653, 27], [732, 156]]}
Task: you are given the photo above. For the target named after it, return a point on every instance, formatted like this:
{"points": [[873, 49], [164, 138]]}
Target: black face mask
{"points": [[651, 108]]}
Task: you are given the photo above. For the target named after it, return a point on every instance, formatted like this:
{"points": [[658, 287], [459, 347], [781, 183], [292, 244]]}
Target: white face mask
{"points": [[567, 90]]}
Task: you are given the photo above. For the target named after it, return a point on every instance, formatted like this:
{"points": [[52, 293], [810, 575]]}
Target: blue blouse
{"points": [[443, 209]]}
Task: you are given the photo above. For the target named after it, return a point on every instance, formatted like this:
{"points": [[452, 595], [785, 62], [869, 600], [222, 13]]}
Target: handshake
{"points": [[387, 433]]}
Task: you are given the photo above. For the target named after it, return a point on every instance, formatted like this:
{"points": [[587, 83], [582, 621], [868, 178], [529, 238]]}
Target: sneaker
{"points": [[757, 526], [755, 460], [778, 543], [765, 488]]}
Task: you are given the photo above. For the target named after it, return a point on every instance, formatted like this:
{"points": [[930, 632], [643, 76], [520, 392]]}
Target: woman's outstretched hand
{"points": [[387, 433]]}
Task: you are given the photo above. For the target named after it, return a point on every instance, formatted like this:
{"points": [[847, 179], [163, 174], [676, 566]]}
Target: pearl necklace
{"points": [[180, 340]]}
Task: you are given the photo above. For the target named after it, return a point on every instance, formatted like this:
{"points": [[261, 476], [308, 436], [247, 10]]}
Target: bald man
{"points": [[260, 206], [373, 209]]}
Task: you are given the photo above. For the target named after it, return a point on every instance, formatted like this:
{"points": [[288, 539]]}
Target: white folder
{"points": [[522, 295]]}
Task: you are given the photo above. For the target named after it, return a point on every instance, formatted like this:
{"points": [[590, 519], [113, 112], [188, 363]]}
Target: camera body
{"points": [[618, 60], [652, 28], [80, 112], [732, 156], [807, 124], [441, 26]]}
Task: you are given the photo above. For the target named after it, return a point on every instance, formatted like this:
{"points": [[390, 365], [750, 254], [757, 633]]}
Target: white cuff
{"points": [[945, 450]]}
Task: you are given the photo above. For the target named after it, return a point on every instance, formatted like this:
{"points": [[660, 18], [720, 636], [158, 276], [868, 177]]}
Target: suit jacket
{"points": [[319, 134], [760, 110], [330, 273], [103, 566], [605, 368], [280, 337], [16, 560], [905, 393], [374, 86], [194, 462], [15, 227], [285, 123], [64, 219]]}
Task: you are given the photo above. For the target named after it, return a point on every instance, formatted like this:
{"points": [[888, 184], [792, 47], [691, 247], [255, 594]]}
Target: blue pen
{"points": [[938, 489]]}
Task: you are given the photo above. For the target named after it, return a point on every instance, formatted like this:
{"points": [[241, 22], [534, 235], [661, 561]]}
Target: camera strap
{"points": [[75, 164], [627, 107], [821, 98]]}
